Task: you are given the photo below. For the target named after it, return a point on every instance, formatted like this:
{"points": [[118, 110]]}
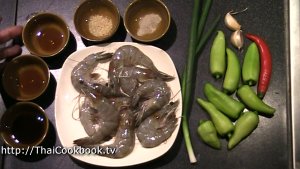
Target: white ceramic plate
{"points": [[66, 102]]}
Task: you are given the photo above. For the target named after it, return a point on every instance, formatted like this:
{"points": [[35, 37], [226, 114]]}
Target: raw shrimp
{"points": [[130, 77], [157, 94], [82, 72], [86, 113], [124, 56], [125, 138], [142, 74], [95, 90], [128, 55], [128, 85], [107, 120], [120, 102], [158, 127]]}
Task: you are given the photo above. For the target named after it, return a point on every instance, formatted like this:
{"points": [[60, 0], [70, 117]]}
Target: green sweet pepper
{"points": [[208, 134]]}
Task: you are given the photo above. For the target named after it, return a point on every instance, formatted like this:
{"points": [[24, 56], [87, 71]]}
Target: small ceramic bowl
{"points": [[96, 20], [23, 125], [25, 77], [147, 20], [45, 34]]}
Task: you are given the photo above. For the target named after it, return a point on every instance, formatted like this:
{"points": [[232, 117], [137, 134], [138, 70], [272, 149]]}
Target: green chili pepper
{"points": [[208, 134], [252, 101], [226, 104], [222, 123], [217, 56], [244, 126], [233, 72], [251, 65]]}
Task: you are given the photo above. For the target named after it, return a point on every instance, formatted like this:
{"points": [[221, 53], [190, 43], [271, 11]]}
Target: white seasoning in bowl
{"points": [[99, 25], [148, 24]]}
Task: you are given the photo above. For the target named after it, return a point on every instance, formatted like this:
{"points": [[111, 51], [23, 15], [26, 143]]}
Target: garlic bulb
{"points": [[237, 39], [231, 22]]}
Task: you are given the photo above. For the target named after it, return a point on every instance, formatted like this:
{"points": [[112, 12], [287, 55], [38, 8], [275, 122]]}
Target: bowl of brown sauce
{"points": [[147, 20], [45, 34], [96, 20], [23, 125], [25, 77]]}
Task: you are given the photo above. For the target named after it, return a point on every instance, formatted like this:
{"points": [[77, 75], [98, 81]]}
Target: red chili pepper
{"points": [[265, 63]]}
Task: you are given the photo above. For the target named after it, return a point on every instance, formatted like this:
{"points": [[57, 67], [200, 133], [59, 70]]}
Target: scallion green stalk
{"points": [[187, 82], [206, 36], [204, 13], [196, 44]]}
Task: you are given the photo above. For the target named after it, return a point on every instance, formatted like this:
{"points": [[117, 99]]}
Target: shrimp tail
{"points": [[165, 76], [84, 141], [139, 118], [135, 99], [103, 57]]}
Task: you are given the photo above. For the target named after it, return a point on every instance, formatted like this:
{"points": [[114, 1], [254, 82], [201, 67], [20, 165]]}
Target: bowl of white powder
{"points": [[96, 20], [147, 20]]}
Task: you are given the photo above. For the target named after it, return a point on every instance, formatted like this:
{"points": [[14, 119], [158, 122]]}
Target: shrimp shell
{"points": [[81, 73], [125, 56], [157, 94], [128, 55], [85, 115], [106, 119], [158, 127], [125, 138], [142, 74]]}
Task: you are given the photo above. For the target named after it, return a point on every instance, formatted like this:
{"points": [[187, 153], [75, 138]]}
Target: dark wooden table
{"points": [[269, 147]]}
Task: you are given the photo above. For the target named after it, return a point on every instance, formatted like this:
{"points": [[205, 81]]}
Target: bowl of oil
{"points": [[96, 20], [23, 125], [147, 20], [45, 34], [25, 77]]}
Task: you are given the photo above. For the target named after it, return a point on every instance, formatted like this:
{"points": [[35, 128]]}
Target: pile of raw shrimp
{"points": [[134, 102]]}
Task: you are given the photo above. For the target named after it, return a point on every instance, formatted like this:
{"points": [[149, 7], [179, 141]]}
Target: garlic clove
{"points": [[237, 39], [231, 23]]}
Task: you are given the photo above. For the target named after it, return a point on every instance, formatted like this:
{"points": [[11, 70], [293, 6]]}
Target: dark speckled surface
{"points": [[268, 147]]}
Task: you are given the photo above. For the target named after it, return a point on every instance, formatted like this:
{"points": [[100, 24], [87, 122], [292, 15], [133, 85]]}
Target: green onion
{"points": [[196, 44], [203, 17], [206, 36]]}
